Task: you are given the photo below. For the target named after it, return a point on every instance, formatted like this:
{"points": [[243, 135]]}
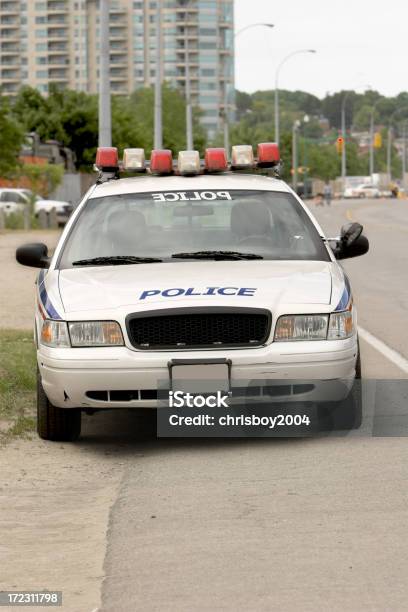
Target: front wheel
{"points": [[58, 424], [347, 414]]}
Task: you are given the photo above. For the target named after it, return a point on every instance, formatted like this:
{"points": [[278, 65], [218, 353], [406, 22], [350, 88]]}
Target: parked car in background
{"points": [[362, 191], [13, 200]]}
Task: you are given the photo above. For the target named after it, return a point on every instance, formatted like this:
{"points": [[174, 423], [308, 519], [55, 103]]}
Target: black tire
{"points": [[58, 424], [347, 414]]}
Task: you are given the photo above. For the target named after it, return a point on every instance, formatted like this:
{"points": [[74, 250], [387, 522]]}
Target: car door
{"points": [[13, 201]]}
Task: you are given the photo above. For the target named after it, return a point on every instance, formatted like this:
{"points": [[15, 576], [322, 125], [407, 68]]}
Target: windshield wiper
{"points": [[216, 255], [115, 260]]}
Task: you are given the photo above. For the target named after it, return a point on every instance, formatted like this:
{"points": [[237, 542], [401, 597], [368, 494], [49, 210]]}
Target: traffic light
{"points": [[377, 140], [340, 144]]}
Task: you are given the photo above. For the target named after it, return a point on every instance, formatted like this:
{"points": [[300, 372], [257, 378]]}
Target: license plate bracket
{"points": [[200, 376]]}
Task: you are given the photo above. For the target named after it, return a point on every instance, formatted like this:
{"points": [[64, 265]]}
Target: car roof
{"points": [[148, 183]]}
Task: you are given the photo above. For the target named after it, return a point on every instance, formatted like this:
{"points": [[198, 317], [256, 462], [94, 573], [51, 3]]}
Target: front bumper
{"points": [[68, 375]]}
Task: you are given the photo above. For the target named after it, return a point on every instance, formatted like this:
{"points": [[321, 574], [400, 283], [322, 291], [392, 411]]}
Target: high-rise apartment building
{"points": [[57, 41]]}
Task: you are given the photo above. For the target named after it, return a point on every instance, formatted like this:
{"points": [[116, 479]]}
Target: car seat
{"points": [[126, 231], [251, 224]]}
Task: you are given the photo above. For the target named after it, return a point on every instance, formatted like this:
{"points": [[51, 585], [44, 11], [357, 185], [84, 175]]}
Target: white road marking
{"points": [[396, 358]]}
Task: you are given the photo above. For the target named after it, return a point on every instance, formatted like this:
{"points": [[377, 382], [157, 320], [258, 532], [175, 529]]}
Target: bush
{"points": [[15, 221]]}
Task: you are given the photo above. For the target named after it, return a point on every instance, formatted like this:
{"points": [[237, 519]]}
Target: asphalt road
{"points": [[246, 525], [379, 279], [289, 524]]}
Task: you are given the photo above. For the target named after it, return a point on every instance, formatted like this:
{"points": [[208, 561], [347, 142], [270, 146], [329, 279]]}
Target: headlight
{"points": [[336, 326], [54, 333], [95, 333], [301, 327], [341, 325]]}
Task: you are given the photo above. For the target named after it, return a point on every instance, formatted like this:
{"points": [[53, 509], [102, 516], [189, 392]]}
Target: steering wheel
{"points": [[256, 241]]}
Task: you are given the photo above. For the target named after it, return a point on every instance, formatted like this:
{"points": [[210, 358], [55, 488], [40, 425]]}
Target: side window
{"points": [[21, 199], [12, 196]]}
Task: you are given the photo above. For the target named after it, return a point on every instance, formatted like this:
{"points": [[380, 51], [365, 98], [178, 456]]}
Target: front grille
{"points": [[199, 328]]}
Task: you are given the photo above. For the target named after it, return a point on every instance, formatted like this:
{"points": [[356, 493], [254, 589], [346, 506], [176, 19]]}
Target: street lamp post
{"points": [[158, 120], [295, 155], [189, 108], [285, 59], [390, 135], [225, 116], [372, 137], [343, 135], [104, 109], [295, 128], [306, 120], [404, 152]]}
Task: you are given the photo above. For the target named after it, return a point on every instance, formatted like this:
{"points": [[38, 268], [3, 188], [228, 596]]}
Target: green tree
{"points": [[174, 126], [44, 178], [322, 160], [34, 113], [71, 117], [11, 139]]}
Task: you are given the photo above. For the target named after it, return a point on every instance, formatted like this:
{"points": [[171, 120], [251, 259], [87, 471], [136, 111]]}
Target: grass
{"points": [[15, 221], [17, 383]]}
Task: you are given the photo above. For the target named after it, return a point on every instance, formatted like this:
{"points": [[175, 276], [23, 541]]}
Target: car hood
{"points": [[259, 284]]}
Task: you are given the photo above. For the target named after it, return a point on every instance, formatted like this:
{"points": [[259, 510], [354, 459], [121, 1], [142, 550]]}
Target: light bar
{"points": [[216, 160], [268, 154], [242, 156], [161, 161], [188, 163], [107, 158], [134, 159]]}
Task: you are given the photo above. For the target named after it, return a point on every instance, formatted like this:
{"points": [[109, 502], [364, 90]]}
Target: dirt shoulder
{"points": [[17, 282], [55, 500]]}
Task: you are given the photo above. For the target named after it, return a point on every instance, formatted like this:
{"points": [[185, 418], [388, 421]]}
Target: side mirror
{"points": [[352, 242], [350, 232], [34, 255]]}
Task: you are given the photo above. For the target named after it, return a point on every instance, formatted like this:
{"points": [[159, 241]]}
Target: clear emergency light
{"points": [[188, 163], [134, 159], [242, 157]]}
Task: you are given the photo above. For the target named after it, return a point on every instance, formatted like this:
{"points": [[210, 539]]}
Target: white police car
{"points": [[204, 264]]}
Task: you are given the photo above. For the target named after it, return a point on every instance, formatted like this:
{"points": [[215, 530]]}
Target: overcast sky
{"points": [[360, 44]]}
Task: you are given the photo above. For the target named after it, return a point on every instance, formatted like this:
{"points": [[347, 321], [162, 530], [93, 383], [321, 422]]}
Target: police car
{"points": [[200, 262]]}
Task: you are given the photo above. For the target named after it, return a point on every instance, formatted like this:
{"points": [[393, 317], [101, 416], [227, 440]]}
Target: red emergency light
{"points": [[107, 158], [216, 160], [268, 154], [161, 161]]}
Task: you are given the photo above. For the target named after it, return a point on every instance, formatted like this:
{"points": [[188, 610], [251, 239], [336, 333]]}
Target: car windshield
{"points": [[181, 226]]}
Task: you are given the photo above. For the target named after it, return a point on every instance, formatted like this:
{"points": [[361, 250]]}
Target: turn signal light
{"points": [[216, 160], [107, 158], [161, 161]]}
